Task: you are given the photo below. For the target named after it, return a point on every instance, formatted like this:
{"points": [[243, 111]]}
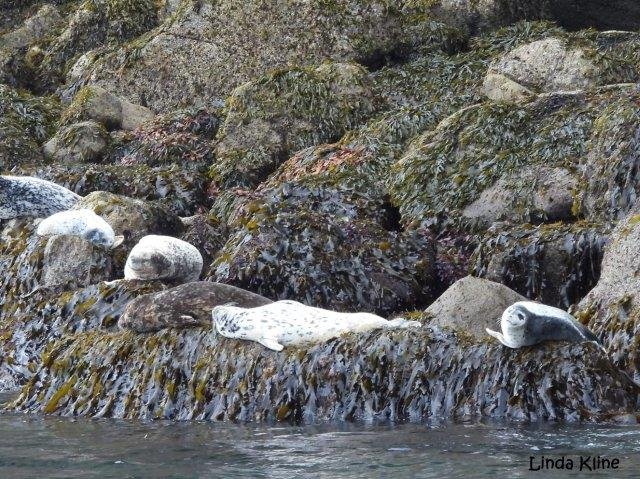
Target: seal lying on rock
{"points": [[163, 257], [289, 323], [83, 223], [526, 323], [22, 196], [184, 306]]}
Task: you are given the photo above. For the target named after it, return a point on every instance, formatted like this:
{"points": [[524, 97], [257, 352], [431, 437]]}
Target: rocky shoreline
{"points": [[436, 160]]}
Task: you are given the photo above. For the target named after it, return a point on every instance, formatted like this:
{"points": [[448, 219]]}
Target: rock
{"points": [[612, 307], [326, 247], [564, 63], [25, 121], [555, 264], [383, 375], [187, 305], [171, 69], [73, 260], [205, 235], [39, 25], [542, 66], [551, 199], [270, 118], [471, 305], [612, 14], [131, 217], [95, 103], [85, 142], [447, 169]]}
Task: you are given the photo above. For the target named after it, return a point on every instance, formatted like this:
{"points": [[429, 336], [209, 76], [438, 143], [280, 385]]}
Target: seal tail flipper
{"points": [[271, 344], [401, 323], [498, 336]]}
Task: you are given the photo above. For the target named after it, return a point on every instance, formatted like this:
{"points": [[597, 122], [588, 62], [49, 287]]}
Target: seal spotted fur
{"points": [[526, 323], [163, 257], [83, 223], [289, 323], [23, 196]]}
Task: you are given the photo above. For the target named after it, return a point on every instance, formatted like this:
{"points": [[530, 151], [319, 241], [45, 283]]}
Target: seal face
{"points": [[288, 323], [24, 196], [164, 258], [526, 323], [83, 223]]}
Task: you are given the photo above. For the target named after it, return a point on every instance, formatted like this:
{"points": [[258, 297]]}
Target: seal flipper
{"points": [[498, 336], [271, 344]]}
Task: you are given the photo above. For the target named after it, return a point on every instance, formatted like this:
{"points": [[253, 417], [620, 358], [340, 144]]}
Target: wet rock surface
{"points": [[357, 156]]}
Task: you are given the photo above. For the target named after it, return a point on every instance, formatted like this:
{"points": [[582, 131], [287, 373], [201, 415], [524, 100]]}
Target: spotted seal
{"points": [[24, 196], [83, 223], [164, 258], [185, 306], [289, 323], [526, 323]]}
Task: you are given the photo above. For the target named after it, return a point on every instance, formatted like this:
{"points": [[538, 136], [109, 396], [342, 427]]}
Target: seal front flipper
{"points": [[271, 344], [498, 336]]}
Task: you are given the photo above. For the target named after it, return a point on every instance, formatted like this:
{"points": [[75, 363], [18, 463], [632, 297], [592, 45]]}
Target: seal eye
{"points": [[521, 317]]}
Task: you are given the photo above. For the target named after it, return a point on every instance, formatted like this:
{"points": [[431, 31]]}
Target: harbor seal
{"points": [[526, 323], [289, 323], [22, 196], [185, 306], [83, 223], [164, 258]]}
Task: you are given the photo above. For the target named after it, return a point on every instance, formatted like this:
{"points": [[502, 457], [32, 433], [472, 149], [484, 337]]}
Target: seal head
{"points": [[526, 323]]}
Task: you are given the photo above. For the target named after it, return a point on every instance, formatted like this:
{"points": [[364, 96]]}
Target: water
{"points": [[51, 447]]}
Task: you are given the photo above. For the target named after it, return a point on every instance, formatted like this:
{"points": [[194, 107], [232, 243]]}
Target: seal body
{"points": [[83, 223], [24, 196], [185, 306], [164, 258], [526, 323], [289, 323]]}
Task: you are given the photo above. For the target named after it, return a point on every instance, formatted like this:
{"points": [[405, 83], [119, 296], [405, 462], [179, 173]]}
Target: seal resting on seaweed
{"points": [[185, 306], [24, 196], [526, 323], [163, 258], [289, 323], [83, 223]]}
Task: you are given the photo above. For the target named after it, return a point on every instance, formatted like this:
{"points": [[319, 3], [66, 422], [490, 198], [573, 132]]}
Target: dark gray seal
{"points": [[526, 323], [185, 306], [26, 196]]}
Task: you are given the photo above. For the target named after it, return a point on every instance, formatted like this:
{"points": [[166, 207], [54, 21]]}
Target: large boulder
{"points": [[555, 264], [95, 103], [84, 142], [187, 305], [470, 305], [326, 247], [272, 117], [447, 169], [381, 375], [612, 307]]}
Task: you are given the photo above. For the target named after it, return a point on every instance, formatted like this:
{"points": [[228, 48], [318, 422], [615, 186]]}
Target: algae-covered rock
{"points": [[230, 43], [273, 116], [30, 323], [187, 305], [206, 235], [132, 217], [555, 264], [84, 142], [471, 305], [326, 247], [570, 62], [95, 103], [33, 28], [611, 308], [71, 259], [25, 122], [445, 170], [194, 374]]}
